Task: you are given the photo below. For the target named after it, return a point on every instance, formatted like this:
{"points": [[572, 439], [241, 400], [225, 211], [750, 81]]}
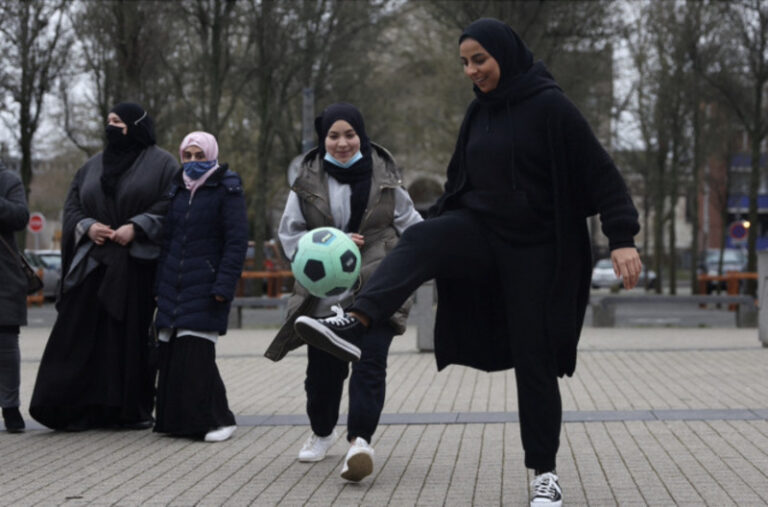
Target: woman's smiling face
{"points": [[342, 142], [479, 65]]}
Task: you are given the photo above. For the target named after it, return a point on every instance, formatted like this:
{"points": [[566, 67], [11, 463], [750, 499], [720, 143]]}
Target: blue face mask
{"points": [[345, 165], [196, 169]]}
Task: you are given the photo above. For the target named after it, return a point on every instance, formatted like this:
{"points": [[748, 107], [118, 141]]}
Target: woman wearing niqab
{"points": [[98, 368]]}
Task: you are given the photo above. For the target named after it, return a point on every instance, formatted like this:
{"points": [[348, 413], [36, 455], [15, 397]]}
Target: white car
{"points": [[49, 262], [603, 276]]}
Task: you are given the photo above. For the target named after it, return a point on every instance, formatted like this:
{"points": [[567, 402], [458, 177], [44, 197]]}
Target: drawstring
{"points": [[512, 168]]}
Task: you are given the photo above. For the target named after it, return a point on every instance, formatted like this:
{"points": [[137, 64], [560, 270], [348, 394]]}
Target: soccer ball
{"points": [[327, 262]]}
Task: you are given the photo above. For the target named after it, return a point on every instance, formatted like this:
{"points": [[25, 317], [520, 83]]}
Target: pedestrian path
{"points": [[653, 416]]}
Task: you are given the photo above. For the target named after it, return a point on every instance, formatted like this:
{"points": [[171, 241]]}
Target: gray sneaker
{"points": [[339, 335]]}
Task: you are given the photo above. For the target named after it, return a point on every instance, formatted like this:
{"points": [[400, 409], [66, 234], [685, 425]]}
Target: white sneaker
{"points": [[220, 434], [315, 447], [545, 491], [359, 461]]}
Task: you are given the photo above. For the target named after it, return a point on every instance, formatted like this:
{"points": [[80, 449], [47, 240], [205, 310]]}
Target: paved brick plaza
{"points": [[661, 415]]}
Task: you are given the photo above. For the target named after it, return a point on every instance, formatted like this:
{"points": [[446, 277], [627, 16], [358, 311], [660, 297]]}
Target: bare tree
{"points": [[735, 64], [121, 43], [321, 44], [211, 67], [34, 45]]}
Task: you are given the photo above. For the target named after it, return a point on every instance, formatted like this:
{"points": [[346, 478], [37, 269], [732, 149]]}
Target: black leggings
{"points": [[456, 246]]}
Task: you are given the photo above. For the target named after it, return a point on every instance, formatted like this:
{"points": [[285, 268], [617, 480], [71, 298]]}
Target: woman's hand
{"points": [[357, 239], [627, 265], [124, 234], [99, 233]]}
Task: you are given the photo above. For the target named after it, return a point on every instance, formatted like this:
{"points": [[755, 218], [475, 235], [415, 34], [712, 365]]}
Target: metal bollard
{"points": [[424, 314], [762, 295]]}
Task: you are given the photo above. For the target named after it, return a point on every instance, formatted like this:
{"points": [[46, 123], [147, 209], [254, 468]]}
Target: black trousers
{"points": [[367, 386], [456, 246]]}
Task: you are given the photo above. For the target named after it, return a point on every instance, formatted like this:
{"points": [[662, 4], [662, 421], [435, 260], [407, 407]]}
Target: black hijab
{"points": [[520, 76], [358, 175], [122, 150]]}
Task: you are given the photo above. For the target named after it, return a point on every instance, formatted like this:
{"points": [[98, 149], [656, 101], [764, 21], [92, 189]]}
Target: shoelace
{"points": [[310, 443], [341, 319], [545, 486]]}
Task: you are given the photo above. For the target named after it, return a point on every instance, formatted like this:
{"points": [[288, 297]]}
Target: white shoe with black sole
{"points": [[545, 491], [337, 335]]}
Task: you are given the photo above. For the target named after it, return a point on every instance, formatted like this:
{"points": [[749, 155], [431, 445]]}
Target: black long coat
{"points": [[585, 182], [14, 216]]}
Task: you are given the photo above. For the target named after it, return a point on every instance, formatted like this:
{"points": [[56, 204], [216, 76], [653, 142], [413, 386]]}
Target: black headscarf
{"points": [[358, 175], [520, 76], [122, 150]]}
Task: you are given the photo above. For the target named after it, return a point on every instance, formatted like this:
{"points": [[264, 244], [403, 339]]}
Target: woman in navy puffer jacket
{"points": [[204, 245]]}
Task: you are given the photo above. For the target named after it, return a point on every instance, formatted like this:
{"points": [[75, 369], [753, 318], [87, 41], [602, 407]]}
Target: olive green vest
{"points": [[311, 186]]}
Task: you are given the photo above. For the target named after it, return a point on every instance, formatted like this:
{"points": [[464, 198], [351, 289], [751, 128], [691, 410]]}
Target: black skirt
{"points": [[191, 398], [97, 371]]}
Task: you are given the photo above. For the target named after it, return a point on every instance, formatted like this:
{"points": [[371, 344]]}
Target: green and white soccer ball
{"points": [[327, 262]]}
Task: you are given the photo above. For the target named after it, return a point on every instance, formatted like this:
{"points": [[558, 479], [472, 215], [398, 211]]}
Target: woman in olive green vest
{"points": [[352, 184]]}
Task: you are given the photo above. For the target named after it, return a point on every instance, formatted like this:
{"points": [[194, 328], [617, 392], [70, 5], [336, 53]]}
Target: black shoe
{"points": [[137, 425], [14, 423], [545, 491], [339, 335]]}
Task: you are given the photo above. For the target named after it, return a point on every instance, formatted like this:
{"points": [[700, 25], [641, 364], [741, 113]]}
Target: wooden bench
{"points": [[274, 281], [604, 309], [238, 303]]}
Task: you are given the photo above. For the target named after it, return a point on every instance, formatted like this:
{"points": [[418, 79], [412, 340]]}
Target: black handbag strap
{"points": [[10, 249]]}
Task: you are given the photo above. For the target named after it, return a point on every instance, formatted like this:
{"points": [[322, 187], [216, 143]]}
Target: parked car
{"points": [[604, 277], [733, 260], [49, 262]]}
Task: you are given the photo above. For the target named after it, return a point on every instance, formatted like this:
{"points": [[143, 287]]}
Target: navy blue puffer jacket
{"points": [[204, 243]]}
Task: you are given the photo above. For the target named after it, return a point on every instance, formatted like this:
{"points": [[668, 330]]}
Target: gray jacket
{"points": [[14, 216], [389, 211]]}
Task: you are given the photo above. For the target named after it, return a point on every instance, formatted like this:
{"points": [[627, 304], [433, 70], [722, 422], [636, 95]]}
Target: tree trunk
{"points": [[754, 229], [658, 212], [696, 184]]}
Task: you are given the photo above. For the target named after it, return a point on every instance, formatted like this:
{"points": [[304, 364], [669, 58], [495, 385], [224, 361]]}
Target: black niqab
{"points": [[122, 150], [358, 175]]}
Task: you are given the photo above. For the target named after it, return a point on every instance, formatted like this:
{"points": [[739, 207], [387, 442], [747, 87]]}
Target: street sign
{"points": [[36, 223], [738, 230]]}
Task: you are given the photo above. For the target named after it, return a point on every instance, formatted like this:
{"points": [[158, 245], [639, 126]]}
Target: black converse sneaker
{"points": [[339, 335], [545, 491]]}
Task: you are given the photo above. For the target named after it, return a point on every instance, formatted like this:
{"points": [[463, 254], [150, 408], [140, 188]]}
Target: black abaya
{"points": [[97, 371], [191, 397]]}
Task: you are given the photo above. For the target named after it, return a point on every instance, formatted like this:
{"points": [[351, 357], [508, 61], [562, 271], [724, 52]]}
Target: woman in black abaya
{"points": [[97, 369]]}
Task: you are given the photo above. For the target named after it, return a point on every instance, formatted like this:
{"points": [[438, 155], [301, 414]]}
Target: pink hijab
{"points": [[207, 143]]}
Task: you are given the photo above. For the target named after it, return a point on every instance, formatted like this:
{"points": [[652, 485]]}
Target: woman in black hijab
{"points": [[97, 369], [352, 184], [507, 242]]}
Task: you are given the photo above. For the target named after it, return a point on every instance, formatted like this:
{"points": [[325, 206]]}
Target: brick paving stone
{"points": [[445, 438]]}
